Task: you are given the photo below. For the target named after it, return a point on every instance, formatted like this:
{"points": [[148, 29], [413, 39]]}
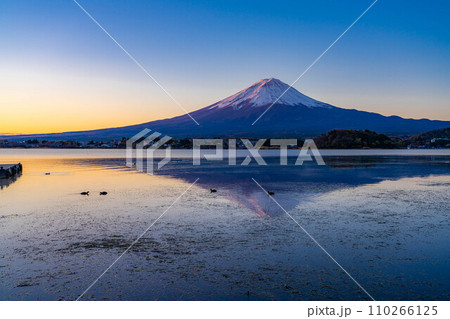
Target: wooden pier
{"points": [[10, 170]]}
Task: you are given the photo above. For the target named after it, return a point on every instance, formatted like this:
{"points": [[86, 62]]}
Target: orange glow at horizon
{"points": [[14, 122], [18, 120], [36, 103]]}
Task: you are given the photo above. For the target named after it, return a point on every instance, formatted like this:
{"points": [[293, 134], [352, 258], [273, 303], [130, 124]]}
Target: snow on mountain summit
{"points": [[266, 92]]}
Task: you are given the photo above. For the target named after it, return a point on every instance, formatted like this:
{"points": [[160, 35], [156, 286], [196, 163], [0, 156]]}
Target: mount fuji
{"points": [[289, 114]]}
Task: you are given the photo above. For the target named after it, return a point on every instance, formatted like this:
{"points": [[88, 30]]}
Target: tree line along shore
{"points": [[335, 139]]}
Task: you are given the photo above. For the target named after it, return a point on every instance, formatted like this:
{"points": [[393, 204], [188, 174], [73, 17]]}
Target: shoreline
{"points": [[15, 155]]}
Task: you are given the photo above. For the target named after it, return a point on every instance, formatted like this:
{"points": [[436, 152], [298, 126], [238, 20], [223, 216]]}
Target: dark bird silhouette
{"points": [[270, 193], [85, 193], [213, 190], [103, 193], [47, 173]]}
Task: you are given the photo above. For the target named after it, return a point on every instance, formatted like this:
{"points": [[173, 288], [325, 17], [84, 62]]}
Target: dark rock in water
{"points": [[9, 171]]}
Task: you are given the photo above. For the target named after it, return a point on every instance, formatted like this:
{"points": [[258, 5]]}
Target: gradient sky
{"points": [[60, 72]]}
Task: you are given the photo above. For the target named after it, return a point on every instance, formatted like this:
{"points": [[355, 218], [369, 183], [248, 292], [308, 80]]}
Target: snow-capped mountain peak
{"points": [[266, 92]]}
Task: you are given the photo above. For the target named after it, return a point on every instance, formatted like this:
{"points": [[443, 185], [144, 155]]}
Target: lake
{"points": [[384, 218]]}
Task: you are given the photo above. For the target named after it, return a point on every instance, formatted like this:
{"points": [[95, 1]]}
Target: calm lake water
{"points": [[385, 219]]}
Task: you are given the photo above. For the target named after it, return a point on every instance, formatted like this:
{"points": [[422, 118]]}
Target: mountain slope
{"points": [[293, 115]]}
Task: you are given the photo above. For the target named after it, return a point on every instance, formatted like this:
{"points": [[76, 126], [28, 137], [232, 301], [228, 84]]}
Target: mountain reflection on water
{"points": [[293, 184]]}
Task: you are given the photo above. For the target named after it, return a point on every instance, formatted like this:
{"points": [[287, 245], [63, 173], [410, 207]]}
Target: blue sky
{"points": [[56, 63]]}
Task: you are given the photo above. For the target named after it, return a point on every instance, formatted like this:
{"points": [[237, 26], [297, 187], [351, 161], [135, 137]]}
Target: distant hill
{"points": [[352, 139], [289, 114], [436, 138]]}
